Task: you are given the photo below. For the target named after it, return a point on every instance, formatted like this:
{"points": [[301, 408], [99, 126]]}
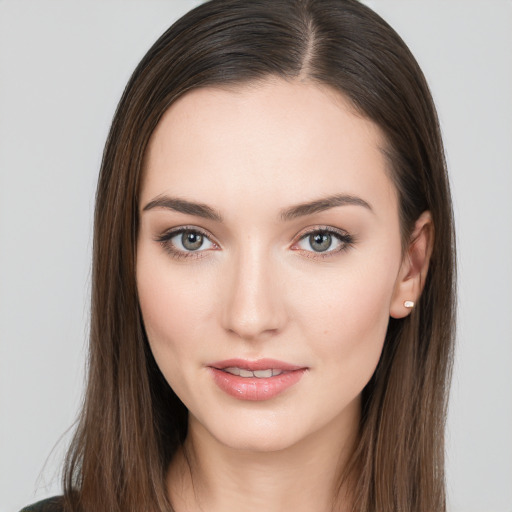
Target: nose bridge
{"points": [[253, 306]]}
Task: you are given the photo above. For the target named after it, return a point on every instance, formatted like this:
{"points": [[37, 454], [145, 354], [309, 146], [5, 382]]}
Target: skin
{"points": [[257, 288]]}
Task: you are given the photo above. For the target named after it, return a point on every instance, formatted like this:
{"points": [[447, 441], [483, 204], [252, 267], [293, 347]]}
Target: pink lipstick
{"points": [[255, 380]]}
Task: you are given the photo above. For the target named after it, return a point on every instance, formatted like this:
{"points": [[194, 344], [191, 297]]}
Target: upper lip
{"points": [[258, 364]]}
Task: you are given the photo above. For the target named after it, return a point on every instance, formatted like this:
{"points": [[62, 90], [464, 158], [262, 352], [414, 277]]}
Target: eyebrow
{"points": [[320, 205], [184, 206], [300, 210]]}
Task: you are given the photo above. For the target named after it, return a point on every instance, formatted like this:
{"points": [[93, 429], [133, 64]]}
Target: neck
{"points": [[207, 475]]}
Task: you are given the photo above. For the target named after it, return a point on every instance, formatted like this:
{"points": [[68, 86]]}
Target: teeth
{"points": [[260, 374], [263, 373], [232, 370]]}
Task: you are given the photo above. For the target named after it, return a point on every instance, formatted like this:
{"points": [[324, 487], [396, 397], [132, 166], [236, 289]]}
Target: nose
{"points": [[254, 306]]}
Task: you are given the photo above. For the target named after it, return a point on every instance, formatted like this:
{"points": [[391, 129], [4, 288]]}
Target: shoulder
{"points": [[55, 504]]}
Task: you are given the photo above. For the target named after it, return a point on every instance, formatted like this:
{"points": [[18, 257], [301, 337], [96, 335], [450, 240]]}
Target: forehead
{"points": [[301, 139]]}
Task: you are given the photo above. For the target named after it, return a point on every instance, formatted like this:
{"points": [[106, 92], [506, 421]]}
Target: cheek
{"points": [[175, 306], [347, 323]]}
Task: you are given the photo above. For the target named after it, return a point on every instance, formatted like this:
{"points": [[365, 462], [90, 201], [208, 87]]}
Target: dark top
{"points": [[49, 505]]}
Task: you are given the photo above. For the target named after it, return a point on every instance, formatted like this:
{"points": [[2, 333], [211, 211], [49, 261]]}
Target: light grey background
{"points": [[63, 66]]}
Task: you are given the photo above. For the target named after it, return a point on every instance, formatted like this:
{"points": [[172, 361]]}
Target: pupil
{"points": [[191, 241], [320, 241]]}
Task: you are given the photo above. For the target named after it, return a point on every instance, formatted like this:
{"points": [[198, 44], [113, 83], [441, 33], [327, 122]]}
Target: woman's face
{"points": [[268, 259]]}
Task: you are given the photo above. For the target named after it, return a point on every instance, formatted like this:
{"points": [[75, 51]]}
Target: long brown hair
{"points": [[132, 423]]}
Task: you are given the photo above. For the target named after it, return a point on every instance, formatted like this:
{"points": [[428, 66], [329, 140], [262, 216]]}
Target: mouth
{"points": [[235, 365], [259, 374], [255, 380]]}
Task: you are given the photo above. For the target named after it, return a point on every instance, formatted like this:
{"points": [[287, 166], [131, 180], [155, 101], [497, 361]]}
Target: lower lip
{"points": [[254, 388]]}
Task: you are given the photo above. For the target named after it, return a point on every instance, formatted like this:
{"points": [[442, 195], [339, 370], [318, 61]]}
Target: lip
{"points": [[258, 364], [254, 388]]}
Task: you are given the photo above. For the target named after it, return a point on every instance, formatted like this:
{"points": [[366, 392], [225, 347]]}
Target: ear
{"points": [[413, 271]]}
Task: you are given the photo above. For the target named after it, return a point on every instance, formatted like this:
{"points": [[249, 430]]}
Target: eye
{"points": [[190, 241], [186, 242], [324, 241]]}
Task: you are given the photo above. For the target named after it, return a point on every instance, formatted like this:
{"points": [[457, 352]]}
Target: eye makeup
{"points": [[316, 242], [323, 241], [191, 236]]}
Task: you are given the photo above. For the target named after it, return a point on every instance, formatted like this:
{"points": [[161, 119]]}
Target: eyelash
{"points": [[165, 241], [345, 239]]}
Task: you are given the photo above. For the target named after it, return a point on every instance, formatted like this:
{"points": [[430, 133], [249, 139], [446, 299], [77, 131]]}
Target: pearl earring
{"points": [[409, 304]]}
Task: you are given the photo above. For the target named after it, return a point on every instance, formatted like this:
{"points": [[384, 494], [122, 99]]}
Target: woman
{"points": [[273, 273]]}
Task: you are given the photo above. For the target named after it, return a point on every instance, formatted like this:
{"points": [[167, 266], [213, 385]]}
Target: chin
{"points": [[263, 442], [256, 431]]}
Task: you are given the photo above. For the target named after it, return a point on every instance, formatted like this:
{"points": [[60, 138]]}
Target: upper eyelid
{"points": [[176, 231], [304, 231], [319, 229]]}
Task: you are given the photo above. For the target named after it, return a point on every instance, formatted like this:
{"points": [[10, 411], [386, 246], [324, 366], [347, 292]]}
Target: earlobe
{"points": [[413, 271]]}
